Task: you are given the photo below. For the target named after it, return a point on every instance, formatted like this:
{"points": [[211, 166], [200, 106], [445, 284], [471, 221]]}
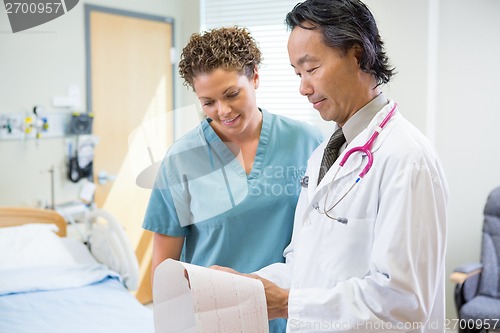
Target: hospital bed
{"points": [[52, 283]]}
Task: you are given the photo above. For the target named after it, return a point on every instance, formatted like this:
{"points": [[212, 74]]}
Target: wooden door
{"points": [[130, 89]]}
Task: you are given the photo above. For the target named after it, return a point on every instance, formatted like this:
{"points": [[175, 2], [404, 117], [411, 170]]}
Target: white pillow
{"points": [[30, 245], [79, 251]]}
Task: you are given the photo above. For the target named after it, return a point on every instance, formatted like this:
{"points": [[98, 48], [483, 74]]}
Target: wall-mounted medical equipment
{"points": [[81, 123], [81, 158], [31, 125], [34, 124], [39, 124]]}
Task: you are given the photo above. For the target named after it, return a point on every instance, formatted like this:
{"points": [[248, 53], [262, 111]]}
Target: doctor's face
{"points": [[229, 99], [328, 78]]}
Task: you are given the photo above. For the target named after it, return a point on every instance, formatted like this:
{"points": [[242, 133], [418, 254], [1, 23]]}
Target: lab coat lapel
{"points": [[379, 117], [356, 161], [352, 164], [317, 191]]}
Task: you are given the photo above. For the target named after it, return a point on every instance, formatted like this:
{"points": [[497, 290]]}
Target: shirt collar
{"points": [[362, 118]]}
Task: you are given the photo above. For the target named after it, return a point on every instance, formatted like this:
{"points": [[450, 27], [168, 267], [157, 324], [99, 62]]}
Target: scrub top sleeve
{"points": [[162, 214]]}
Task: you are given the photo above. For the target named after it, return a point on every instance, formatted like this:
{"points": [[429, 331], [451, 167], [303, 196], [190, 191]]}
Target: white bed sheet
{"points": [[81, 297]]}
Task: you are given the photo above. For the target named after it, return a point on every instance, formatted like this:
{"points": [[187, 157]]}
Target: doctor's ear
{"points": [[358, 53]]}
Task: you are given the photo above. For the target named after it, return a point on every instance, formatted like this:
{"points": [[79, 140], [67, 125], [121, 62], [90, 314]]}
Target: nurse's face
{"points": [[228, 98], [331, 80]]}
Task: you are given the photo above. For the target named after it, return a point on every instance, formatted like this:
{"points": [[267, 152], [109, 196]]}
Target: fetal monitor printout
{"points": [[212, 301]]}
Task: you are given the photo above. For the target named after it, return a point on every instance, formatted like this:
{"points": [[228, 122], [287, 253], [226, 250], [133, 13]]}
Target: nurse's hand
{"points": [[276, 297], [226, 269]]}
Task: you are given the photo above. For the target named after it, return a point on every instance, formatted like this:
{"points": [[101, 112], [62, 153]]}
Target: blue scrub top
{"points": [[230, 218]]}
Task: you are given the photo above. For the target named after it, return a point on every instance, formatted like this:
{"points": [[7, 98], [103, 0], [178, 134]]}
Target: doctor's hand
{"points": [[276, 297]]}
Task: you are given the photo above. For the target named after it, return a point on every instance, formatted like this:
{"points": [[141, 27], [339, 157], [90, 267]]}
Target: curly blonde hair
{"points": [[229, 48]]}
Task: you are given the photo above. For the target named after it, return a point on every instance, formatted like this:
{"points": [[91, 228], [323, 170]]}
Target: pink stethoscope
{"points": [[366, 149]]}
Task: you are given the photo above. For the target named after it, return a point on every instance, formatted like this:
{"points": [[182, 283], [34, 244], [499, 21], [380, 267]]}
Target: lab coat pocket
{"points": [[349, 249]]}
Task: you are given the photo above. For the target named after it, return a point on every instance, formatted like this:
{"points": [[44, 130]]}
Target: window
{"points": [[279, 86]]}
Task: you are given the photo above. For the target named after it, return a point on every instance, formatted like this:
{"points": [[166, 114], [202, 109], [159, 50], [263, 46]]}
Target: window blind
{"points": [[279, 86]]}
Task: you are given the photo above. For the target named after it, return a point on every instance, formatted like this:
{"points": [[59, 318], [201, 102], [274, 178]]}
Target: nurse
{"points": [[226, 192], [374, 260]]}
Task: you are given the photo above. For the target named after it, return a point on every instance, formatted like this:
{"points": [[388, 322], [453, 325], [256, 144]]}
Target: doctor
{"points": [[374, 260]]}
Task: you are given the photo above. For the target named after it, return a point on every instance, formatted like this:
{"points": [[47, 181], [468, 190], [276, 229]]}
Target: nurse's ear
{"points": [[255, 78]]}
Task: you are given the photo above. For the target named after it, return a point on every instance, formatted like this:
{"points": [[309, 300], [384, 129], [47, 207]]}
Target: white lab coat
{"points": [[384, 270]]}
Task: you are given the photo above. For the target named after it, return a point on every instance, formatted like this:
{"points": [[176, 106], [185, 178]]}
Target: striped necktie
{"points": [[331, 152]]}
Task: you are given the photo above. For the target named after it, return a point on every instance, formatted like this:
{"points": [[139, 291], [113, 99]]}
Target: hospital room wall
{"points": [[40, 63], [467, 119]]}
